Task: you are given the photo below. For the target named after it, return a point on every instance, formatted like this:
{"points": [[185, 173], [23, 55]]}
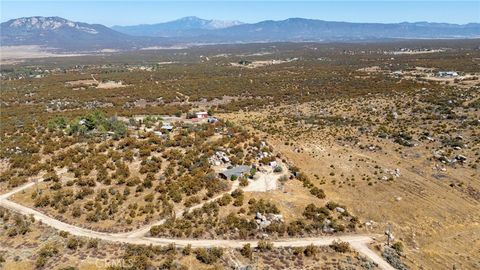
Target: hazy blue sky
{"points": [[137, 12]]}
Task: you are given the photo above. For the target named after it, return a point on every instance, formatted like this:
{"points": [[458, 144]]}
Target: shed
{"points": [[447, 74], [201, 114]]}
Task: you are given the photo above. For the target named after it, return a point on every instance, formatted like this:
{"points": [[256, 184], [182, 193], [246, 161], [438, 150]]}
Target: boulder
{"points": [[265, 223], [326, 227], [275, 217]]}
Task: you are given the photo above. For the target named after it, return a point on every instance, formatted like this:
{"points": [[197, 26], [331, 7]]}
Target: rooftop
{"points": [[237, 171]]}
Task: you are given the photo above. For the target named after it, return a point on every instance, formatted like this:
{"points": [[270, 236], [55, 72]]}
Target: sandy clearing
{"points": [[110, 85], [257, 64], [13, 54], [266, 181]]}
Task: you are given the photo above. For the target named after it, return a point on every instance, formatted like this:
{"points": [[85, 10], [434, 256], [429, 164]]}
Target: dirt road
{"points": [[358, 242]]}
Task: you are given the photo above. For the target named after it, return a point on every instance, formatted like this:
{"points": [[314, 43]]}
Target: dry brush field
{"points": [[350, 143]]}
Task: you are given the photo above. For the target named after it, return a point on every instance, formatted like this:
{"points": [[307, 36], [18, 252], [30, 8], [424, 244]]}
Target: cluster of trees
{"points": [[208, 255], [170, 171], [168, 257], [308, 251], [205, 221], [84, 125], [264, 245], [262, 206]]}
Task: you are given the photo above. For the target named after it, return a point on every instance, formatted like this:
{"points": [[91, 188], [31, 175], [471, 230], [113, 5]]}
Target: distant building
{"points": [[212, 120], [201, 115], [447, 74], [397, 73], [236, 171], [167, 126]]}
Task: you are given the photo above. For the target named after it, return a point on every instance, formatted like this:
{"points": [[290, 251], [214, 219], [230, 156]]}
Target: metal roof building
{"points": [[237, 171]]}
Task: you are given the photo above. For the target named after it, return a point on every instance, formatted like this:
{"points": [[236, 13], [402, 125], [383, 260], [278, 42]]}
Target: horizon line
{"points": [[237, 20]]}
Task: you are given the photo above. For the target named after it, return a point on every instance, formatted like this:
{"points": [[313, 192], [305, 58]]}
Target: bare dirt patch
{"points": [[16, 54], [257, 64], [266, 180], [76, 85]]}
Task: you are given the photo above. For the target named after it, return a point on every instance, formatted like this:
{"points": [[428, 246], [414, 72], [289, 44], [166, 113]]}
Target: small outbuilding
{"points": [[447, 74], [201, 115], [167, 126]]}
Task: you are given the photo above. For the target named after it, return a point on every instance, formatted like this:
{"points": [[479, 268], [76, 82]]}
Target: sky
{"points": [[120, 12]]}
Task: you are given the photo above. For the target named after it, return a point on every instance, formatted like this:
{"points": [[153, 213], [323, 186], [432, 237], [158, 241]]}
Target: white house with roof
{"points": [[447, 74], [236, 172], [201, 115]]}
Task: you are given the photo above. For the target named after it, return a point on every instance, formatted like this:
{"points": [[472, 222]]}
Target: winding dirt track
{"points": [[358, 242]]}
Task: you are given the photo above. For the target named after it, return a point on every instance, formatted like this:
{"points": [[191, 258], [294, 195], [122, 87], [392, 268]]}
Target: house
{"points": [[447, 74], [158, 133], [201, 115], [236, 172]]}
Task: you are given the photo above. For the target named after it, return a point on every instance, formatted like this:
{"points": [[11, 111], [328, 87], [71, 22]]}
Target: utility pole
{"points": [[36, 186], [389, 234]]}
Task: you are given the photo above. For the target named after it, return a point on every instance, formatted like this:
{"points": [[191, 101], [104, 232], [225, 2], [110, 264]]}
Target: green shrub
{"points": [[311, 250], [72, 243], [340, 246], [187, 250], [398, 246], [246, 251], [264, 245], [208, 256]]}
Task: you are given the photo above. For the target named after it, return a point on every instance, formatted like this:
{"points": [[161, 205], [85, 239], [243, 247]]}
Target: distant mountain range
{"points": [[297, 29], [65, 35], [187, 26]]}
